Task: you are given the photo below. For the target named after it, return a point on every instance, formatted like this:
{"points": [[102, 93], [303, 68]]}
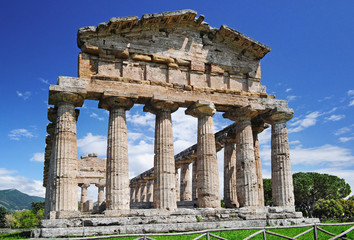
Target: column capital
{"points": [[57, 98], [276, 115], [110, 103], [201, 108], [258, 125], [243, 113], [84, 185], [156, 106], [52, 114], [100, 185]]}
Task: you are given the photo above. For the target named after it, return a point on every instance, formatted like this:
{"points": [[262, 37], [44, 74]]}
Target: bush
{"points": [[3, 213], [328, 209]]}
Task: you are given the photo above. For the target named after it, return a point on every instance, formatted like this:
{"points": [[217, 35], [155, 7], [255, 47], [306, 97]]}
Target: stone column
{"points": [[208, 173], [246, 174], [132, 194], [149, 191], [84, 197], [282, 181], [230, 194], [257, 127], [164, 161], [185, 186], [195, 180], [177, 186], [65, 153], [143, 191], [137, 193], [100, 198], [117, 173]]}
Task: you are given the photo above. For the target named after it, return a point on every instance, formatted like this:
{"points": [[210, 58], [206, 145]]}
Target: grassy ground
{"points": [[230, 235]]}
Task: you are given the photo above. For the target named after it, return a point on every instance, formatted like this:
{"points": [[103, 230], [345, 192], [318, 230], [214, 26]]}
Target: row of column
{"points": [[84, 196], [64, 156]]}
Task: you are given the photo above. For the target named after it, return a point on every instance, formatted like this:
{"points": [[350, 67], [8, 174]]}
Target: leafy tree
{"points": [[3, 213], [348, 207], [351, 198], [311, 187], [267, 188], [328, 209], [36, 206]]}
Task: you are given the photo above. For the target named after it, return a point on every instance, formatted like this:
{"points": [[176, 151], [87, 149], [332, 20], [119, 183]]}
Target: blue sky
{"points": [[311, 65]]}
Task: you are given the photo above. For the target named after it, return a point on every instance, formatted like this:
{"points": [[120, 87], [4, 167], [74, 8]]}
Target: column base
{"points": [[65, 214]]}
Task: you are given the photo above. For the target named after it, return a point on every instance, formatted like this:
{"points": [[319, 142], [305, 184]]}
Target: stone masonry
{"points": [[167, 61]]}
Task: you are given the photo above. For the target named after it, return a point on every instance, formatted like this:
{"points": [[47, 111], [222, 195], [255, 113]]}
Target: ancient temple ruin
{"points": [[167, 61]]}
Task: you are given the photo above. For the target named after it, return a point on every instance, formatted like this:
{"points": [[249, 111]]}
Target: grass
{"points": [[16, 235]]}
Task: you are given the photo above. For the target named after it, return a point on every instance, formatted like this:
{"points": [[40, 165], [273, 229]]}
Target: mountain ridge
{"points": [[12, 199]]}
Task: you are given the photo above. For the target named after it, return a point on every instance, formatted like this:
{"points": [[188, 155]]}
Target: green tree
{"points": [[351, 198], [3, 213], [311, 187], [348, 207], [267, 188], [328, 209], [36, 206]]}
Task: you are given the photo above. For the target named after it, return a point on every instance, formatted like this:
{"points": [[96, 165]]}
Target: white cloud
{"points": [[346, 139], [94, 115], [291, 98], [351, 103], [299, 125], [335, 117], [350, 92], [93, 144], [325, 98], [184, 130], [37, 157], [288, 89], [17, 134], [29, 186], [45, 81], [342, 131], [145, 119], [24, 95]]}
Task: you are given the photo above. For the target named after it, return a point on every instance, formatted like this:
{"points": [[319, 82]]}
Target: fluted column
{"points": [[65, 153], [164, 162], [143, 191], [132, 193], [149, 191], [246, 175], [177, 187], [258, 127], [137, 193], [84, 196], [282, 181], [195, 179], [185, 185], [100, 198], [230, 194], [117, 172], [208, 173]]}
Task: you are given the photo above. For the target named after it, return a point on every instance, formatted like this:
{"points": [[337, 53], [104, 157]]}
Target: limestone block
{"points": [[122, 54], [133, 70], [182, 62], [178, 76], [109, 68], [91, 49], [197, 66], [238, 83], [198, 79], [219, 81], [141, 57], [216, 69], [162, 59], [156, 73]]}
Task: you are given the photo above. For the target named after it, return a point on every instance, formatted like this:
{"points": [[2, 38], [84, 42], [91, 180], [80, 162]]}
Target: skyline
{"points": [[310, 65]]}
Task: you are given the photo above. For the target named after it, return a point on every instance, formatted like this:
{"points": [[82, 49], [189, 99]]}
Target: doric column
{"points": [[100, 198], [132, 193], [208, 173], [257, 127], [143, 191], [185, 185], [84, 197], [177, 186], [117, 172], [282, 181], [230, 194], [246, 175], [195, 179], [149, 191], [137, 193], [65, 153], [164, 161]]}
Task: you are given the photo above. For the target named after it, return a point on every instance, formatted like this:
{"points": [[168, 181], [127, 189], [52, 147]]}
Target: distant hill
{"points": [[13, 200]]}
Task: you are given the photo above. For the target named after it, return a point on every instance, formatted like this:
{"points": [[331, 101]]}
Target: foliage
{"points": [[267, 188], [311, 187], [13, 200], [351, 198], [3, 213], [26, 218], [328, 209], [348, 207]]}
